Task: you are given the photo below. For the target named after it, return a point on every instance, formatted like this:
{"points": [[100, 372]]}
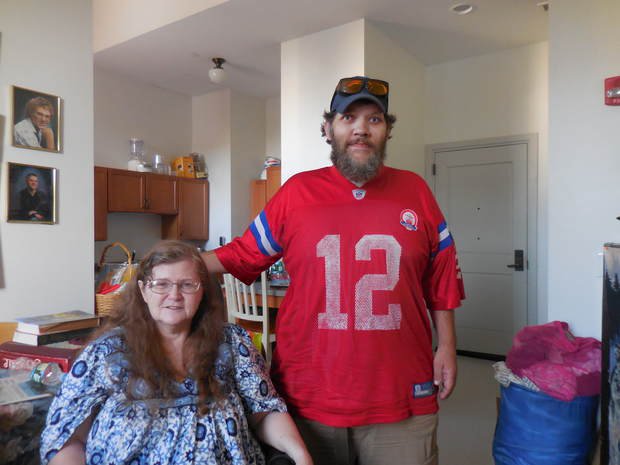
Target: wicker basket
{"points": [[105, 303]]}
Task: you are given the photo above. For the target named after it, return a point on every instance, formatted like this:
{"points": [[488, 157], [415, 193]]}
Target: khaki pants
{"points": [[409, 442]]}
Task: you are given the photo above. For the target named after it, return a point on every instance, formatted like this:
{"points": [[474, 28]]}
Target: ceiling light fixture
{"points": [[462, 8], [217, 73]]}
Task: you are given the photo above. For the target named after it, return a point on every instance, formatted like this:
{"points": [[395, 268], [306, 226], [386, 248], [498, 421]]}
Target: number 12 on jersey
{"points": [[329, 249]]}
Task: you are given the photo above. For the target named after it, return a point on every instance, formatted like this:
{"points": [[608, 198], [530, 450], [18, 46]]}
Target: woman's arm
{"points": [[73, 452], [278, 430]]}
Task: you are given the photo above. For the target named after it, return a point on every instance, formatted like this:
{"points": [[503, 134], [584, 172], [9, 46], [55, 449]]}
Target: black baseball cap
{"points": [[356, 88]]}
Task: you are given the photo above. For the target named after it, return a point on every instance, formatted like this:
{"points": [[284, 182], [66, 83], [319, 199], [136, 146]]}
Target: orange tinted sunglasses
{"points": [[350, 86]]}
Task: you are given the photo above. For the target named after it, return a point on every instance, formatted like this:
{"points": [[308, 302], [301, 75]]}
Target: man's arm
{"points": [[213, 263], [444, 364]]}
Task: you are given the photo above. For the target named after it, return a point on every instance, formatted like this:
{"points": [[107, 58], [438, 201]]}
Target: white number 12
{"points": [[329, 249]]}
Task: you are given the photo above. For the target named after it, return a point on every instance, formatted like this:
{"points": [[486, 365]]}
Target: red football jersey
{"points": [[354, 342]]}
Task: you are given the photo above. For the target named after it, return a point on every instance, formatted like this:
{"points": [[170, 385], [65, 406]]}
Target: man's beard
{"points": [[354, 171]]}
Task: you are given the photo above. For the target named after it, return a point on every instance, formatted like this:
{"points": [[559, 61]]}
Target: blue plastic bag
{"points": [[536, 429]]}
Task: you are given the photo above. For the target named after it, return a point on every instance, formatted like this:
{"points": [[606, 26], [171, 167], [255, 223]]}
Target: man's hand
{"points": [[444, 371], [444, 364]]}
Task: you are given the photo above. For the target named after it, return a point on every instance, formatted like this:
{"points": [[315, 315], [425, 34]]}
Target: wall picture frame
{"points": [[37, 120], [32, 194]]}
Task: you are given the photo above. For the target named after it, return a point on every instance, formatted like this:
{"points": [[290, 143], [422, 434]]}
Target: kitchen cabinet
{"points": [[261, 190], [192, 221], [131, 191], [101, 203]]}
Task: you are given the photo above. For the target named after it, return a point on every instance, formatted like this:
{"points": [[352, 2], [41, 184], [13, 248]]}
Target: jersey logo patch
{"points": [[409, 220], [359, 194], [423, 389]]}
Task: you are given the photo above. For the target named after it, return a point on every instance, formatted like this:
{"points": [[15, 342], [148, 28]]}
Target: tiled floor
{"points": [[467, 418]]}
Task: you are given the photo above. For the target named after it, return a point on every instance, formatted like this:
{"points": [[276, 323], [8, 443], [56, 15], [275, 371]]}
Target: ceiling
{"points": [[248, 34]]}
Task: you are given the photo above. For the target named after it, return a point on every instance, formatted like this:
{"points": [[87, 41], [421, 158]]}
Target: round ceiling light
{"points": [[462, 8], [217, 73]]}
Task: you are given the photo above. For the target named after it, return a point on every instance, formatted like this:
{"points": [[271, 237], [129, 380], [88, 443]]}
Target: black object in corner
{"points": [[276, 457]]}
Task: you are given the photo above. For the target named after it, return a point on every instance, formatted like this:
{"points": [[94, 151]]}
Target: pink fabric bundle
{"points": [[560, 364]]}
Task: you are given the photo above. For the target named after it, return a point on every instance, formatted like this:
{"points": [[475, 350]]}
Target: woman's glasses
{"points": [[350, 86], [164, 286]]}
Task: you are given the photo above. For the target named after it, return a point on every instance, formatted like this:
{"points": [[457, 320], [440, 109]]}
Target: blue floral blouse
{"points": [[161, 431]]}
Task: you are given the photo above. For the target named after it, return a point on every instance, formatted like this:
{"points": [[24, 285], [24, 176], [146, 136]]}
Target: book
{"points": [[16, 356], [57, 322], [50, 338], [17, 387]]}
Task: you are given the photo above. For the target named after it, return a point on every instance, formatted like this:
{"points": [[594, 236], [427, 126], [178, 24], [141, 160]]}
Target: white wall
{"points": [[495, 95], [117, 21], [211, 136], [247, 155], [384, 59], [272, 127], [584, 158], [310, 69], [125, 108], [49, 268], [492, 95]]}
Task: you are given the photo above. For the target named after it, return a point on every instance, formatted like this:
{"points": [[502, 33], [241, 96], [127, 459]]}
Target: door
{"points": [[482, 192]]}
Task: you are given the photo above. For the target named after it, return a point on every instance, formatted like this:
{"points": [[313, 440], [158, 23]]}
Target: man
{"points": [[367, 251], [34, 130], [33, 203]]}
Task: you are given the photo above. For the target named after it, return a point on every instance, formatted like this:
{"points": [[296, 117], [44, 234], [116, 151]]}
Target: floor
{"points": [[467, 417]]}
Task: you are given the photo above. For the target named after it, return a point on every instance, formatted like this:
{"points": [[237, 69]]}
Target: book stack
{"points": [[47, 338]]}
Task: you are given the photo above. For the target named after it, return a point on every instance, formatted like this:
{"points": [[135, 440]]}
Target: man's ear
{"points": [[327, 127]]}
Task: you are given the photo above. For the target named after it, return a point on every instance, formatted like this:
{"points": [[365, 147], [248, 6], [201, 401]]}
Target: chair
{"points": [[242, 304]]}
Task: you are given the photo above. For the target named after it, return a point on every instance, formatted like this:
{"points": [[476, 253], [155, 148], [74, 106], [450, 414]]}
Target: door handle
{"points": [[519, 261]]}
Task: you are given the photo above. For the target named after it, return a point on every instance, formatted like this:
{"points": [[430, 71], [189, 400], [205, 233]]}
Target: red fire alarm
{"points": [[612, 91]]}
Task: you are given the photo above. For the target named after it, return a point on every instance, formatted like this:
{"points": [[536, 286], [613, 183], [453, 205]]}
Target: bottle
{"points": [[48, 374]]}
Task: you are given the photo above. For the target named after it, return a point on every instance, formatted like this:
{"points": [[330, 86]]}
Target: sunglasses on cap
{"points": [[354, 85], [356, 88]]}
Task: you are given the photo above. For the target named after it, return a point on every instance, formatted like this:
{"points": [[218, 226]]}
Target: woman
{"points": [[166, 381]]}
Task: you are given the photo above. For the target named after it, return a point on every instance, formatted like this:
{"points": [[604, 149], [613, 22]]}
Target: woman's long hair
{"points": [[147, 357]]}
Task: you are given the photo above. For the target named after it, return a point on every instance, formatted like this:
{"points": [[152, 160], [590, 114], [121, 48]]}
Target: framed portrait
{"points": [[37, 120], [32, 194], [610, 389]]}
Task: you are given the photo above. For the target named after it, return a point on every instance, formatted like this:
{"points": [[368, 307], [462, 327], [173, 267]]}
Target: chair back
{"points": [[242, 304]]}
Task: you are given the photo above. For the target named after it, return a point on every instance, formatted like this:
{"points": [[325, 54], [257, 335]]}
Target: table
{"points": [[20, 429]]}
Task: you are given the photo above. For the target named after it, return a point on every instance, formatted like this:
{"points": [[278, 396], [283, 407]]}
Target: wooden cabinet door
{"points": [[274, 180], [262, 190], [258, 189], [161, 195], [192, 221], [126, 191], [194, 214], [101, 203]]}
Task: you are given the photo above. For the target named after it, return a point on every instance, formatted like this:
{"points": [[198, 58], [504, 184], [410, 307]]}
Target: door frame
{"points": [[531, 143]]}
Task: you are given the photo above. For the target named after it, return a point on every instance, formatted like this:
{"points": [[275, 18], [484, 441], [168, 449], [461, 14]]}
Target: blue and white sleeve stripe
{"points": [[262, 234], [445, 238]]}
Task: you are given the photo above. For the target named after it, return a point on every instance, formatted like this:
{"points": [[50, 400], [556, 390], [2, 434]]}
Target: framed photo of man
{"points": [[32, 194], [37, 120]]}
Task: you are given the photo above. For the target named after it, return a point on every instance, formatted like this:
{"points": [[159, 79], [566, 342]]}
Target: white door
{"points": [[482, 192]]}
